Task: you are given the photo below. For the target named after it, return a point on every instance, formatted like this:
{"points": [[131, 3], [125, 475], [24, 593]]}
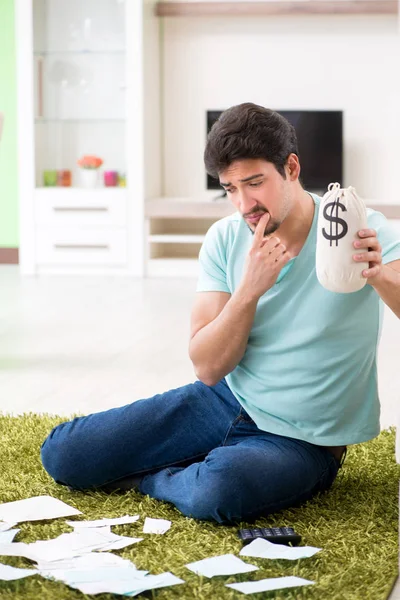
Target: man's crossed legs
{"points": [[195, 447]]}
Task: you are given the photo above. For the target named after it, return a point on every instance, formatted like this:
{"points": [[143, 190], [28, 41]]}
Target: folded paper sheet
{"points": [[264, 585], [78, 543], [156, 525], [37, 508], [264, 549], [103, 522], [227, 564], [8, 573], [92, 560], [6, 537], [6, 526], [68, 545], [100, 573]]}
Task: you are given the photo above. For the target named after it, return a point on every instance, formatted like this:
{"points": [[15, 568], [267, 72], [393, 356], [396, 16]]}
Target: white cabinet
{"points": [[80, 229], [85, 68]]}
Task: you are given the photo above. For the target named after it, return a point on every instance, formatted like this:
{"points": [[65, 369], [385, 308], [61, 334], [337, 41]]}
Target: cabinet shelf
{"points": [[275, 7], [40, 120], [84, 193], [77, 52], [172, 238]]}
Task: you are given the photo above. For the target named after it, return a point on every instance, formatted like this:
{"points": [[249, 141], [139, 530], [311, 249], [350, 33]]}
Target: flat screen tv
{"points": [[320, 140]]}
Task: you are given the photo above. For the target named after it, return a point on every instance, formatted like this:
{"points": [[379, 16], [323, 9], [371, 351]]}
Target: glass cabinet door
{"points": [[79, 92]]}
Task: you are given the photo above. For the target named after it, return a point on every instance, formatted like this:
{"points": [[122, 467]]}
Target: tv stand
{"points": [[175, 229]]}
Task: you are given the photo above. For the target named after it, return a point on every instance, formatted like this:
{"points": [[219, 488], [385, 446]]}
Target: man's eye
{"points": [[256, 184], [229, 190]]}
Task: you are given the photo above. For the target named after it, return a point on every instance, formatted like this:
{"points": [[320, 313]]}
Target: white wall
{"points": [[308, 62]]}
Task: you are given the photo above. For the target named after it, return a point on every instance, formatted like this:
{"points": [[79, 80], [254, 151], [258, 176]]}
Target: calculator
{"points": [[276, 535]]}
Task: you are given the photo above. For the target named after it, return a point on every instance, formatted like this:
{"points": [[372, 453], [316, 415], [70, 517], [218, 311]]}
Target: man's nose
{"points": [[246, 203]]}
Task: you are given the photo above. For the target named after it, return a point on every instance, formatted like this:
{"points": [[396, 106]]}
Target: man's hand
{"points": [[372, 255], [266, 258]]}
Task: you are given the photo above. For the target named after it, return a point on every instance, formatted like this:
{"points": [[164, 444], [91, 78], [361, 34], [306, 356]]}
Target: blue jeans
{"points": [[195, 447]]}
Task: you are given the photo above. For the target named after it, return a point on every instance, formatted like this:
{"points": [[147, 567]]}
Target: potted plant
{"points": [[89, 165]]}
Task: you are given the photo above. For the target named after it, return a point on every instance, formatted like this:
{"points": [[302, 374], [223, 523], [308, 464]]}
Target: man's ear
{"points": [[293, 166]]}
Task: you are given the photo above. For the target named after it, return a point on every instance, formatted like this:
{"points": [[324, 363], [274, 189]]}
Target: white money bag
{"points": [[341, 216]]}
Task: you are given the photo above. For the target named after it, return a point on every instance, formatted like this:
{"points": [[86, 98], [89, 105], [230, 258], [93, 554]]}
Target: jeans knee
{"points": [[216, 502], [58, 458]]}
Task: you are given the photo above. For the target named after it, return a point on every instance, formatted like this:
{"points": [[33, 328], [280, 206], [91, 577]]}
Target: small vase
{"points": [[110, 178], [50, 178], [89, 178], [64, 178]]}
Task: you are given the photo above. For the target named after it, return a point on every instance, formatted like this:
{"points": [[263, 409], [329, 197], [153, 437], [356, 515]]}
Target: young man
{"points": [[286, 369]]}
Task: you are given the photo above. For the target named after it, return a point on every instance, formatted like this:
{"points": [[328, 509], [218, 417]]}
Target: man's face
{"points": [[255, 187]]}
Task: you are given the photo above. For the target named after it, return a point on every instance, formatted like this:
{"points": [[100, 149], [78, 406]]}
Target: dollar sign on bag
{"points": [[334, 234]]}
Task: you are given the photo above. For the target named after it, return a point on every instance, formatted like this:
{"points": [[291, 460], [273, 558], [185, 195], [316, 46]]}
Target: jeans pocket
{"points": [[243, 416]]}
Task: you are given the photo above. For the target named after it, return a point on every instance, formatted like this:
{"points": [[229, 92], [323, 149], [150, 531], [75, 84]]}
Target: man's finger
{"points": [[260, 229], [363, 233], [372, 242]]}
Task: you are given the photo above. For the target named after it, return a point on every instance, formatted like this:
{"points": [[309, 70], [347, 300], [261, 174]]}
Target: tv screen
{"points": [[320, 140]]}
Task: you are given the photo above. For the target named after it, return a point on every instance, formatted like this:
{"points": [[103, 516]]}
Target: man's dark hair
{"points": [[249, 131]]}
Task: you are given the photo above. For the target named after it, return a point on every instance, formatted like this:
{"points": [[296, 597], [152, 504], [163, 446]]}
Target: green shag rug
{"points": [[356, 525]]}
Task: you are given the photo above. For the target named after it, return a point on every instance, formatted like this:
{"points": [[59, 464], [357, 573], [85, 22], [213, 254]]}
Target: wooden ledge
{"points": [[273, 7], [186, 208], [391, 211], [190, 208]]}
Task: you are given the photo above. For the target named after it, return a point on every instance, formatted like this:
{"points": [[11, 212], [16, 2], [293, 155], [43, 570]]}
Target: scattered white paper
{"points": [[157, 581], [227, 564], [104, 575], [6, 526], [130, 588], [264, 585], [68, 545], [121, 542], [103, 522], [37, 508], [77, 543], [8, 573], [6, 537], [16, 549], [264, 549], [156, 525], [100, 587], [75, 558], [86, 561], [95, 572]]}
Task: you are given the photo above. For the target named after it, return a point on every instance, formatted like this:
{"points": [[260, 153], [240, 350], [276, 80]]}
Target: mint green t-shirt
{"points": [[309, 370]]}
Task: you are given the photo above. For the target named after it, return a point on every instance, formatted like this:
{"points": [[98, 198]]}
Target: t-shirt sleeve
{"points": [[388, 236], [212, 262]]}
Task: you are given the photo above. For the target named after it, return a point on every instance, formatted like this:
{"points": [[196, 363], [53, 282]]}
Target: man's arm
{"points": [[221, 323], [388, 286], [385, 279], [220, 328]]}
